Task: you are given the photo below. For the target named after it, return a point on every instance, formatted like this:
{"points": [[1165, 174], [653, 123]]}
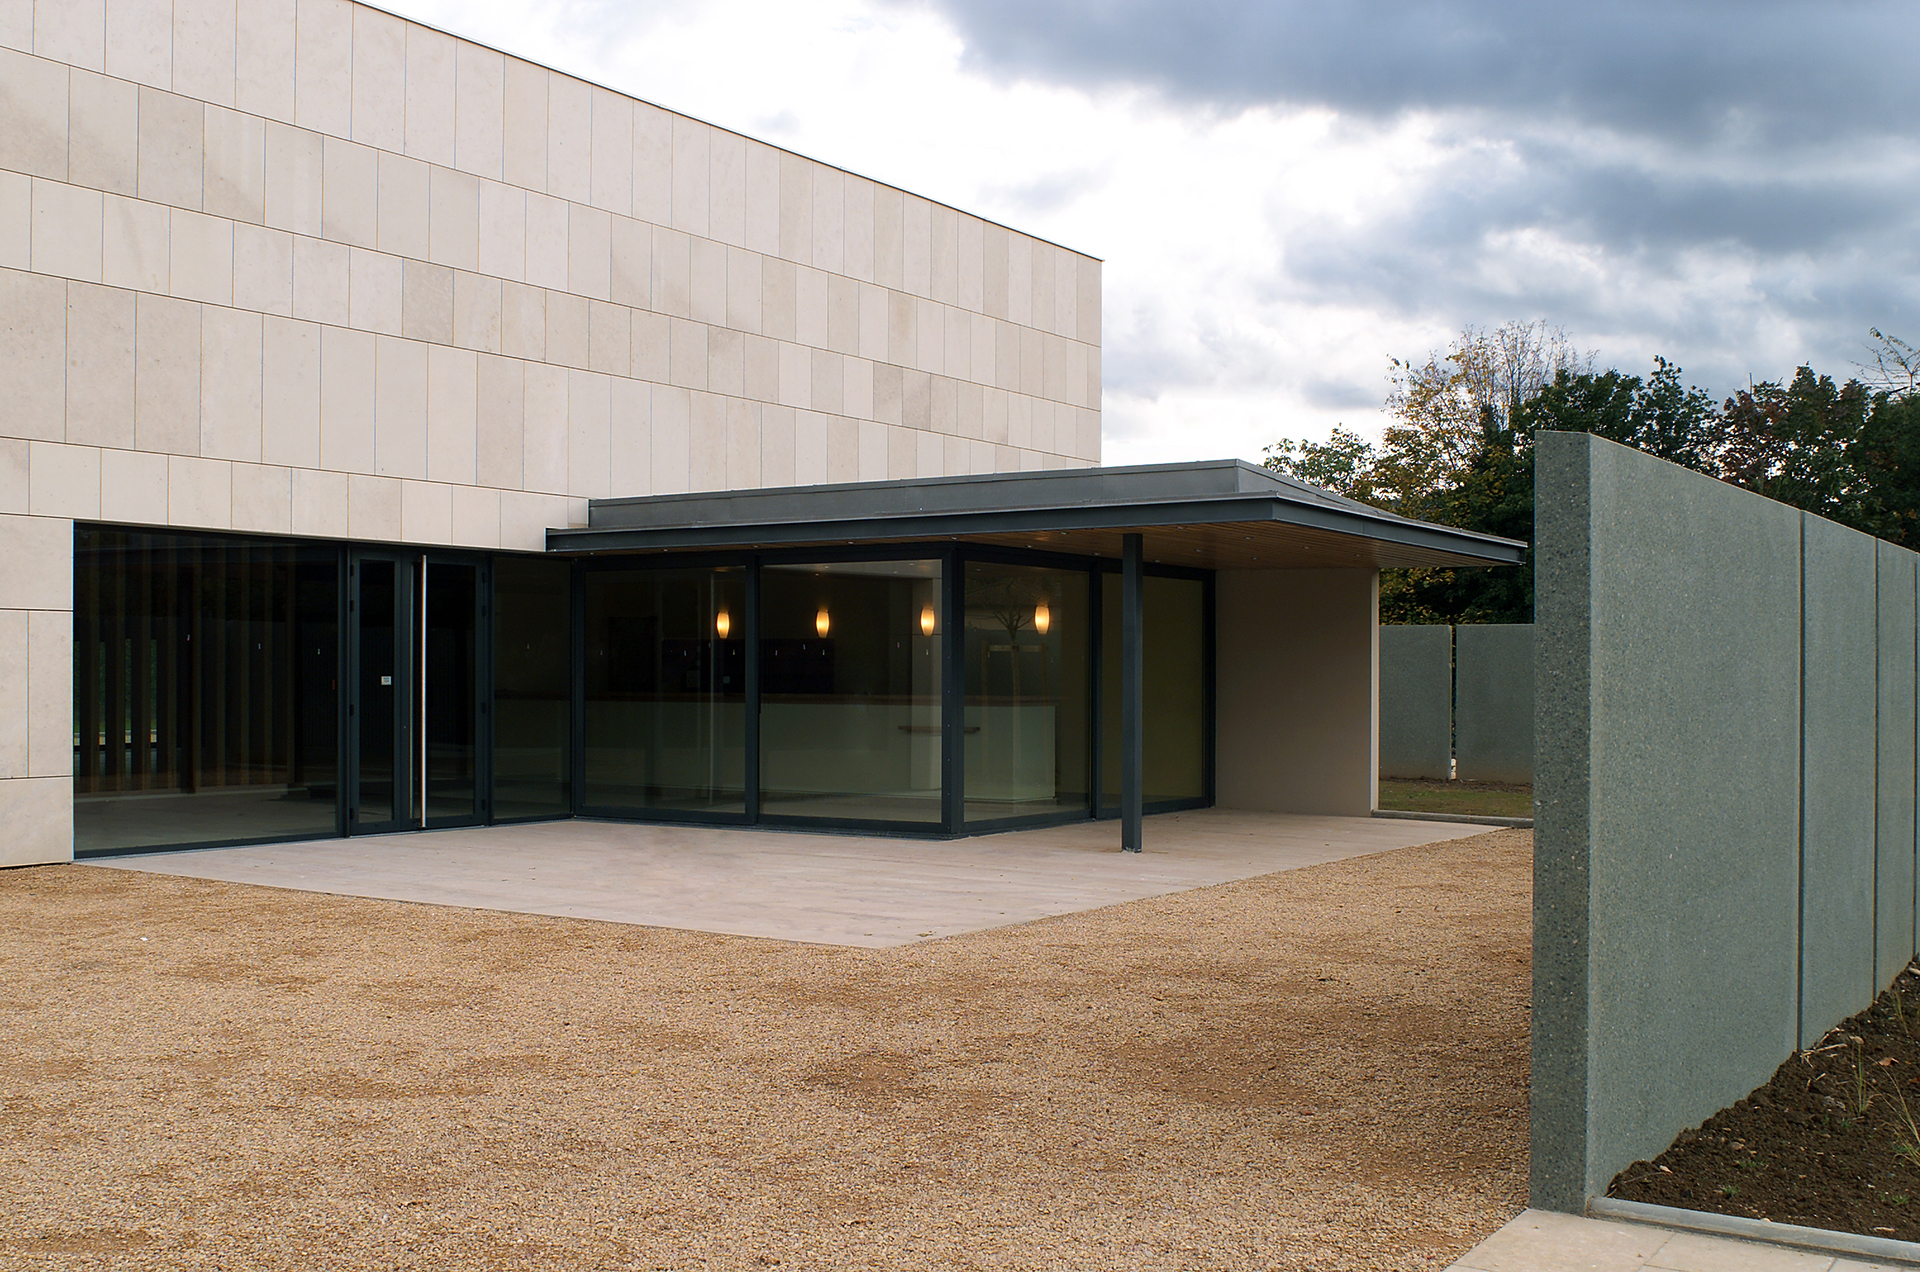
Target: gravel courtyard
{"points": [[1320, 1069]]}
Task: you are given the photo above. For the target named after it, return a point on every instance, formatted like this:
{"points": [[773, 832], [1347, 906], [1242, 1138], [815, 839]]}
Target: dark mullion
{"points": [[953, 690], [1132, 693], [344, 668], [1096, 690], [750, 660], [351, 699], [577, 716], [483, 711], [1207, 688]]}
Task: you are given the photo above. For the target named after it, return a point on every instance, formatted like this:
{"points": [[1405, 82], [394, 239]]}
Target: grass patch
{"points": [[1475, 799]]}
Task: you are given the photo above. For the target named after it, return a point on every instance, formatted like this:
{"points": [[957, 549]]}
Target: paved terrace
{"points": [[852, 890], [1538, 1241]]}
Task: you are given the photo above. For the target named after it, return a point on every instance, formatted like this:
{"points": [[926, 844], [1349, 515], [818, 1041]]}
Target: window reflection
{"points": [[850, 690], [666, 690], [531, 675], [1026, 676], [205, 689]]}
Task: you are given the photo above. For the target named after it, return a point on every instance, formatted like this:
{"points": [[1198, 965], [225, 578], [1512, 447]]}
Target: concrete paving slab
{"points": [[852, 890], [1540, 1241]]}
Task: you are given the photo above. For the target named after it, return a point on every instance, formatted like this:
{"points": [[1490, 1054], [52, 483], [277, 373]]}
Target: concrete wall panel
{"points": [[1894, 805], [1837, 808], [1666, 860], [1288, 741], [1416, 701], [1493, 702]]}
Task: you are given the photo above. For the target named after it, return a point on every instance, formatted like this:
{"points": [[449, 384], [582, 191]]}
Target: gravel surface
{"points": [[1321, 1069]]}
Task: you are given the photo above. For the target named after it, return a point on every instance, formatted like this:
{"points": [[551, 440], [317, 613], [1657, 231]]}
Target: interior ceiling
{"points": [[1259, 545]]}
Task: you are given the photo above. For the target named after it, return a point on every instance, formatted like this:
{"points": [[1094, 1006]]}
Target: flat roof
{"points": [[1215, 514]]}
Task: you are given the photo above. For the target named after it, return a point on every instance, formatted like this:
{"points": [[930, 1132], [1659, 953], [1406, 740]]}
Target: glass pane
{"points": [[1174, 744], [205, 689], [666, 689], [1029, 639], [531, 690], [380, 801], [452, 675], [850, 690]]}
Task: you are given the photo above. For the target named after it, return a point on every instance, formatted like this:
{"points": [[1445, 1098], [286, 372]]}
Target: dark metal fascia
{"points": [[1244, 510]]}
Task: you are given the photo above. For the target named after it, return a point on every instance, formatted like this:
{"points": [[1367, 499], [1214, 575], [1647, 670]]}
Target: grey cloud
{"points": [[1338, 395], [1764, 70], [1743, 173]]}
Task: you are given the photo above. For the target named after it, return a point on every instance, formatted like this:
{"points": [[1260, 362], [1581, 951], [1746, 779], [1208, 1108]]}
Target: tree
{"points": [[1795, 442], [1443, 409], [1657, 415], [1460, 452], [1895, 369], [1887, 462], [1345, 463]]}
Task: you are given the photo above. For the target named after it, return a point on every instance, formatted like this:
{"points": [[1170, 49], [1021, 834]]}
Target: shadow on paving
{"points": [[1324, 1068]]}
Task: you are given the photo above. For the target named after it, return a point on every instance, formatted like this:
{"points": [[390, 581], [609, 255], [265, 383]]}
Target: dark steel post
{"points": [[953, 693], [1132, 690], [750, 689]]}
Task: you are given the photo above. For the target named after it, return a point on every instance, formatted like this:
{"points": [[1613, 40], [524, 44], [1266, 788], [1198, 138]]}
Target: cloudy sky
{"points": [[1288, 192]]}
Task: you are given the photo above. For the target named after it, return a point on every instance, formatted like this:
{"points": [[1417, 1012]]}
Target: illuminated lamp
{"points": [[821, 623], [926, 619], [1042, 618], [722, 624]]}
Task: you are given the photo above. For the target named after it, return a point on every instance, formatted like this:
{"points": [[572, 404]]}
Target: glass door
{"points": [[381, 703], [454, 706], [417, 714]]}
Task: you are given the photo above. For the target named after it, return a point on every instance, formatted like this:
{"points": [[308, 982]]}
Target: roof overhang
{"points": [[1220, 514]]}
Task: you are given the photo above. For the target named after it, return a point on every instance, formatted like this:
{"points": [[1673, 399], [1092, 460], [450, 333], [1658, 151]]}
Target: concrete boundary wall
{"points": [[1493, 702], [1725, 791], [1416, 701]]}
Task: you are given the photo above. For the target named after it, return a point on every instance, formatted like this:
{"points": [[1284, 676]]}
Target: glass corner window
{"points": [[1028, 703], [850, 677]]}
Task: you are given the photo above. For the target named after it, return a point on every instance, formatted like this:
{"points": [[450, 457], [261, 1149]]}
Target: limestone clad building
{"points": [[321, 329]]}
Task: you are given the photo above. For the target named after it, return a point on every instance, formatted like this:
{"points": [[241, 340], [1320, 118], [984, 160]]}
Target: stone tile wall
{"points": [[304, 267], [310, 236]]}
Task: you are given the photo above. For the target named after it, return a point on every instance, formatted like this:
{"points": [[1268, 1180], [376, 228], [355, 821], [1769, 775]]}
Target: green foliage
{"points": [[1459, 450], [1346, 462]]}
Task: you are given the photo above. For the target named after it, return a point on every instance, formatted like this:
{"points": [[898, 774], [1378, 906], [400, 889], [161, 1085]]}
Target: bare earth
{"points": [[1320, 1069]]}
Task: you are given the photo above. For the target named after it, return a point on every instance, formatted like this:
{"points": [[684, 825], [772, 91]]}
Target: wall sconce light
{"points": [[926, 619], [821, 623], [722, 624], [1042, 618]]}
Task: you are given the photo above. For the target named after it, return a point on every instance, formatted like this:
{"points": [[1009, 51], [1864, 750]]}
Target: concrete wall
{"points": [[1838, 676], [304, 267], [1416, 701], [1493, 702], [1700, 908], [1297, 662], [1894, 828]]}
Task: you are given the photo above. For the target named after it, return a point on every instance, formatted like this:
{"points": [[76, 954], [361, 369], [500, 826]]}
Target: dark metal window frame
{"points": [[341, 663], [954, 557], [347, 557]]}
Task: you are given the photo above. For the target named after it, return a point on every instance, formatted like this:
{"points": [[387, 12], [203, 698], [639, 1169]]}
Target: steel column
{"points": [[1132, 690]]}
